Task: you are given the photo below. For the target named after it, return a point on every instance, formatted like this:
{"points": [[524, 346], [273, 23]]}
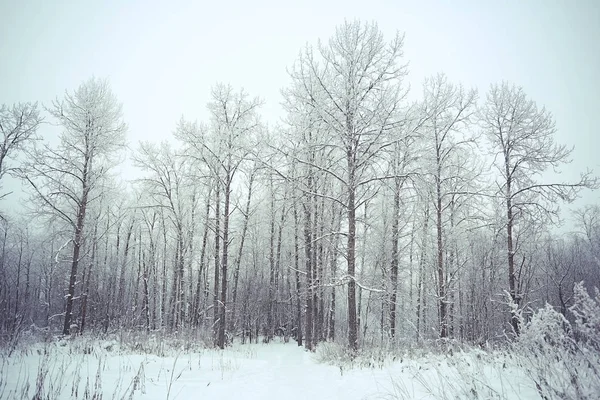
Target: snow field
{"points": [[68, 370]]}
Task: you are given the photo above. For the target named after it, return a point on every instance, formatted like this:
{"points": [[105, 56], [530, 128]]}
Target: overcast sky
{"points": [[162, 57]]}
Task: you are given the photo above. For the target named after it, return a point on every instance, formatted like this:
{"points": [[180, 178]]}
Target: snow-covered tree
{"points": [[18, 125], [522, 140], [352, 86], [67, 177]]}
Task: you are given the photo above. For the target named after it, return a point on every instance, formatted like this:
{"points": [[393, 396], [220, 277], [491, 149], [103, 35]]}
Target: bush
{"points": [[586, 310], [366, 357], [563, 361]]}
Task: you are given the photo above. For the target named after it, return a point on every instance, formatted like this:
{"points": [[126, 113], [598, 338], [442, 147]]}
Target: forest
{"points": [[361, 218]]}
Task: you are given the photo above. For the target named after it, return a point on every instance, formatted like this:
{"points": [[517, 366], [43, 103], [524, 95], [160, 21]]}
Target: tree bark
{"points": [[512, 285], [394, 262], [238, 261], [216, 313], [298, 324], [223, 305], [77, 243], [271, 289], [351, 210], [199, 289], [308, 343]]}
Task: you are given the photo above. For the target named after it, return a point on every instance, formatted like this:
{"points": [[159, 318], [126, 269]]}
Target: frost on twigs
{"points": [[563, 360], [378, 357], [586, 310], [516, 312], [547, 327]]}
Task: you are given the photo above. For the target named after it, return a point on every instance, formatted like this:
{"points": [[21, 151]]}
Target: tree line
{"points": [[361, 216]]}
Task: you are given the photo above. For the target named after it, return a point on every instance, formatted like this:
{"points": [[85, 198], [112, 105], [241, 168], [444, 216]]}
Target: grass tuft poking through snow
{"points": [[544, 363], [446, 370]]}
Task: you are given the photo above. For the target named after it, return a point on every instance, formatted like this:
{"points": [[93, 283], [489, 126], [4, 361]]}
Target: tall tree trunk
{"points": [[512, 281], [163, 303], [308, 343], [28, 277], [394, 261], [440, 270], [441, 276], [298, 282], [217, 266], [146, 295], [180, 270], [224, 263], [334, 266], [271, 290], [319, 270], [198, 296], [174, 296], [86, 281], [137, 240], [238, 260], [17, 291], [189, 298], [107, 272], [78, 239], [351, 209], [421, 302], [122, 281], [77, 243], [278, 271], [153, 272], [4, 312]]}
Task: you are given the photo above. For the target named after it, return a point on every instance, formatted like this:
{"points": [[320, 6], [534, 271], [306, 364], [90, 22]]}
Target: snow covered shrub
{"points": [[561, 364], [369, 356], [586, 310], [547, 328], [334, 354], [157, 342]]}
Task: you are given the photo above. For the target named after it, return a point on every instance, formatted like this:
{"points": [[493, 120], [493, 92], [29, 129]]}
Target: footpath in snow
{"points": [[74, 370]]}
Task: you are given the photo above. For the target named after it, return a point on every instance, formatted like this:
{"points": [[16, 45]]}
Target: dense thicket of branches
{"points": [[362, 216]]}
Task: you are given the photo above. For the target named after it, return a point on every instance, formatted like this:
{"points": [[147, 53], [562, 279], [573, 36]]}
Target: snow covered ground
{"points": [[258, 371]]}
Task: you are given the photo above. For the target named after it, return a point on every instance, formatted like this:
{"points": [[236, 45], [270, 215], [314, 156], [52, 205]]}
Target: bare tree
{"points": [[67, 177], [522, 138], [224, 145], [238, 260], [588, 221], [447, 110], [18, 124], [353, 85], [165, 185], [403, 158]]}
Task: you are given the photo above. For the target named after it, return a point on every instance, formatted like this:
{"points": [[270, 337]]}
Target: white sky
{"points": [[163, 57]]}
